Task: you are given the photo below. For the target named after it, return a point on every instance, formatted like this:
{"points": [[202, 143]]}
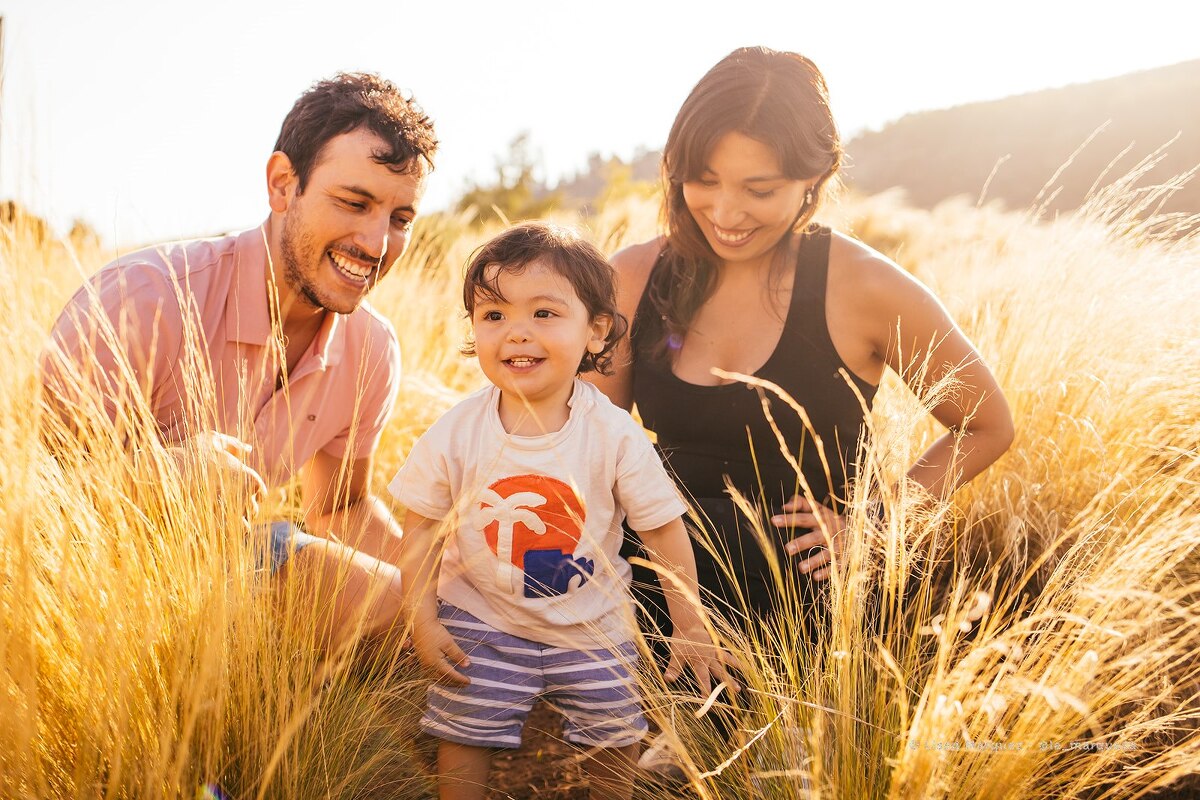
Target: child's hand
{"points": [[691, 646], [437, 651]]}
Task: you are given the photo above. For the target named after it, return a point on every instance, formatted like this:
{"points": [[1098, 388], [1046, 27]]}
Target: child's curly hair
{"points": [[565, 252]]}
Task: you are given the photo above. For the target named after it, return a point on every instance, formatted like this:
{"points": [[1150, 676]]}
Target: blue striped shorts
{"points": [[594, 689]]}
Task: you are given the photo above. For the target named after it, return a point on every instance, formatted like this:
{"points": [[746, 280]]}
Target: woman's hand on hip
{"points": [[816, 548]]}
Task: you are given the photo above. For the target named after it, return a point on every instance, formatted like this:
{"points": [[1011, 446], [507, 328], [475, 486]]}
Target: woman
{"points": [[742, 282]]}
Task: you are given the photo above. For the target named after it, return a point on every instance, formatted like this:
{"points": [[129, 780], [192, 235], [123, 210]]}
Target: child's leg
{"points": [[462, 771], [609, 772], [472, 721], [597, 693]]}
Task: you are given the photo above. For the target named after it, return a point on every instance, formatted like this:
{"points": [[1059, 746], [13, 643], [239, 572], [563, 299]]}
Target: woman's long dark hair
{"points": [[777, 98]]}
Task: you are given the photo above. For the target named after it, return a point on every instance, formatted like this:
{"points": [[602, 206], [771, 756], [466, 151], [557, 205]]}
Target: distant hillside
{"points": [[938, 154]]}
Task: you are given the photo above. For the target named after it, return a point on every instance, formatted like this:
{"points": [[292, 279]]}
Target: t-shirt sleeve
{"points": [[644, 490], [378, 386], [423, 484], [115, 343]]}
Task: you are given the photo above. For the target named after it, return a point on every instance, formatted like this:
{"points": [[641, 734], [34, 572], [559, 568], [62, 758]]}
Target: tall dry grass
{"points": [[1036, 638], [142, 654]]}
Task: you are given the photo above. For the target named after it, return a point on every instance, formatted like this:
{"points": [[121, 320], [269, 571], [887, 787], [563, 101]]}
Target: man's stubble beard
{"points": [[292, 243]]}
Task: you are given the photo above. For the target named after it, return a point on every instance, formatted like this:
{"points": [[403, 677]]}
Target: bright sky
{"points": [[153, 119]]}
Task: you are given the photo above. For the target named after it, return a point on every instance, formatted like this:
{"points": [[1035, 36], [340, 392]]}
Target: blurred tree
{"points": [[619, 181], [515, 193], [18, 220], [83, 236]]}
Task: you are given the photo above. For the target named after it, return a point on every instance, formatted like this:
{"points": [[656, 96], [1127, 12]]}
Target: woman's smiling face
{"points": [[742, 201]]}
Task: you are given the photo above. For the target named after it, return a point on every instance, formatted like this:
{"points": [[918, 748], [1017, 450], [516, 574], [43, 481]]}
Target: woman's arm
{"points": [[915, 336], [632, 266], [882, 316]]}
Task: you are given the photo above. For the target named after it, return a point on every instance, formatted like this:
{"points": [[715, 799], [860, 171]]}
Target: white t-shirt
{"points": [[535, 550]]}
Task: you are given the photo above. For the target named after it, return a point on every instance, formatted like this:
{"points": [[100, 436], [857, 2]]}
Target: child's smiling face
{"points": [[530, 343]]}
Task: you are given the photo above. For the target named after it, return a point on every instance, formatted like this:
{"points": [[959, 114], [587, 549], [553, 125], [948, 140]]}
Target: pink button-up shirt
{"points": [[193, 323]]}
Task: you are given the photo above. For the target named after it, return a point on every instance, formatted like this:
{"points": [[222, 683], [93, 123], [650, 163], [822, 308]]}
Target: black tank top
{"points": [[707, 432]]}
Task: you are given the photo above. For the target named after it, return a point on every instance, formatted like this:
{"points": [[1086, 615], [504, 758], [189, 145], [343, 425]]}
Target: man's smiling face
{"points": [[348, 227]]}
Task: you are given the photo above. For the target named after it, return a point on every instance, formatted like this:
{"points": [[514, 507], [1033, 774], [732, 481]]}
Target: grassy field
{"points": [[1036, 638]]}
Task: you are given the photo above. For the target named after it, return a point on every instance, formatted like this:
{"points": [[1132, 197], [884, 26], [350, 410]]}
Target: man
{"points": [[255, 355]]}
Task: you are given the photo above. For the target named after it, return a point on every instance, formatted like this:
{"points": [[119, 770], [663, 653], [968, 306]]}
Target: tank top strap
{"points": [[807, 313], [645, 327]]}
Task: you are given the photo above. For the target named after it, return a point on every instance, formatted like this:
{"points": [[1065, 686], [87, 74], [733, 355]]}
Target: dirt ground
{"points": [[544, 767]]}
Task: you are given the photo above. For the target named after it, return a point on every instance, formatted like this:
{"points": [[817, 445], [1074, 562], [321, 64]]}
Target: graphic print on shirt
{"points": [[533, 524]]}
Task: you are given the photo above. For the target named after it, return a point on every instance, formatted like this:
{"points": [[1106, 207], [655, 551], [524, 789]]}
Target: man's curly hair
{"points": [[349, 101]]}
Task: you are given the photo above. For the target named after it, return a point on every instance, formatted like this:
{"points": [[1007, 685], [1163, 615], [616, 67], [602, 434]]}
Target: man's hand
{"points": [[221, 456], [438, 652]]}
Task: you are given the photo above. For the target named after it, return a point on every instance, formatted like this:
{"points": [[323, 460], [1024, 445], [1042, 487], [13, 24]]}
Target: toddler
{"points": [[528, 481]]}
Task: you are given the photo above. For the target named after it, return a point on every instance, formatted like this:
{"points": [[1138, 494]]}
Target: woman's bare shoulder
{"points": [[871, 293], [636, 260], [855, 264], [849, 254], [633, 265]]}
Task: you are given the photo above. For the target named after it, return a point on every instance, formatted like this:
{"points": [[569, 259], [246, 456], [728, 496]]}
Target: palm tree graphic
{"points": [[508, 511]]}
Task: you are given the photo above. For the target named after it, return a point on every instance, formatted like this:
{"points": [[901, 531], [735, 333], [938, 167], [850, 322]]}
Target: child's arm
{"points": [[420, 560], [670, 549]]}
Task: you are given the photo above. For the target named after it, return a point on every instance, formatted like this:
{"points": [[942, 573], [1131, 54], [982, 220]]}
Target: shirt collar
{"points": [[328, 345], [247, 317]]}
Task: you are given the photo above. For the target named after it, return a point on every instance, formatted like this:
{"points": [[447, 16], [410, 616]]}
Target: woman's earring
{"points": [[808, 197]]}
